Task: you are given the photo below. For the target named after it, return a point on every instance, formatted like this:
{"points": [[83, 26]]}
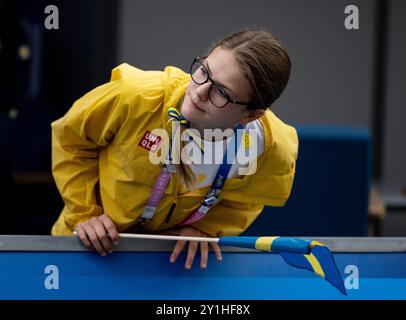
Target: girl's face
{"points": [[197, 107]]}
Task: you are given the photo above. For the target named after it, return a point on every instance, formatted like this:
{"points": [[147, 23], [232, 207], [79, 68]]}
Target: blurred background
{"points": [[346, 98]]}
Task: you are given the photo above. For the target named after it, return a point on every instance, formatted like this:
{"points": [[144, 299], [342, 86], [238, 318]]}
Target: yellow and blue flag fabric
{"points": [[305, 254]]}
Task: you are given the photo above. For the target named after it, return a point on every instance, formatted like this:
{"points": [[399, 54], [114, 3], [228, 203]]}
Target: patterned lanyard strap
{"points": [[212, 196], [164, 176]]}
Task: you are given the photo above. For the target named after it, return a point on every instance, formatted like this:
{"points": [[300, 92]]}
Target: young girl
{"points": [[102, 148]]}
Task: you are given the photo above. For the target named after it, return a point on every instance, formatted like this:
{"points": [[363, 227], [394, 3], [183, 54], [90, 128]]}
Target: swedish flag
{"points": [[300, 253]]}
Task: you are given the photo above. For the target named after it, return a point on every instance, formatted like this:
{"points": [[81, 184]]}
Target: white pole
{"points": [[162, 237]]}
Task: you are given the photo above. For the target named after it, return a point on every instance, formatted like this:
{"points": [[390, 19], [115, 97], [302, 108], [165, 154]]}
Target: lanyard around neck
{"points": [[211, 197]]}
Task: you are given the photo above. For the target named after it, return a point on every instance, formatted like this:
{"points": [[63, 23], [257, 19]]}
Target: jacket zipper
{"points": [[168, 217]]}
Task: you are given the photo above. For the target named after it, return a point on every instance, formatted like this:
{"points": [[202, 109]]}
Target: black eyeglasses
{"points": [[217, 94]]}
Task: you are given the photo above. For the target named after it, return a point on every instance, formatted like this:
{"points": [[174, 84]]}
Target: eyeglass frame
{"points": [[209, 78]]}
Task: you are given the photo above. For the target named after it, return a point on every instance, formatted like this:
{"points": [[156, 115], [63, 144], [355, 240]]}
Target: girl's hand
{"points": [[193, 246], [98, 233]]}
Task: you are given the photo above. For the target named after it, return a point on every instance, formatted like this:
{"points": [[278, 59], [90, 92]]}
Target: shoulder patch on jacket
{"points": [[282, 149]]}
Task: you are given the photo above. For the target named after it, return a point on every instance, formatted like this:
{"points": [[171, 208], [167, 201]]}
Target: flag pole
{"points": [[163, 237]]}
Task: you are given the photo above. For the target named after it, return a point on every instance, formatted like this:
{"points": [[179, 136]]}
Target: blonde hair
{"points": [[264, 62]]}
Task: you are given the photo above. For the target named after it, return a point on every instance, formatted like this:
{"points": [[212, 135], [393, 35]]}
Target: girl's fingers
{"points": [[111, 228], [91, 233], [101, 232], [191, 254], [204, 251], [83, 237], [217, 251], [180, 244], [193, 247]]}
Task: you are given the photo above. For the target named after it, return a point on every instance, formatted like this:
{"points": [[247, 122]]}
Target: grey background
{"points": [[333, 71], [395, 138], [333, 68], [333, 77]]}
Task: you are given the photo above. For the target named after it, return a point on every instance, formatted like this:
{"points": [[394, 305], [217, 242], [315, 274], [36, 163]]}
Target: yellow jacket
{"points": [[99, 168]]}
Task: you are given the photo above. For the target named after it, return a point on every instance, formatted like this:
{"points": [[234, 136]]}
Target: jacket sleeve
{"points": [[90, 124], [228, 218]]}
